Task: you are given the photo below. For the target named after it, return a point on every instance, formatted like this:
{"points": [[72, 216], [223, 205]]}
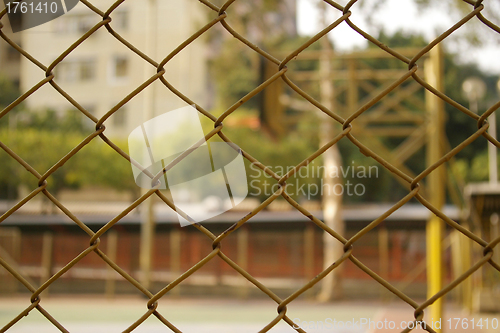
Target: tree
{"points": [[42, 138], [458, 125], [8, 92], [387, 189]]}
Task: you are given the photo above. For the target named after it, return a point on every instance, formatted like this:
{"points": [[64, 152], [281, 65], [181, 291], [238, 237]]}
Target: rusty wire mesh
{"points": [[220, 14]]}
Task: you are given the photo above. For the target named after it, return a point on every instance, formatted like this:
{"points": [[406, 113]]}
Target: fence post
{"points": [[383, 252], [111, 253], [147, 243], [9, 283], [175, 256], [332, 202], [309, 252], [242, 248], [47, 250], [435, 181], [147, 215]]}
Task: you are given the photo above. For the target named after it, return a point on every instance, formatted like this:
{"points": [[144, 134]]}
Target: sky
{"points": [[396, 15]]}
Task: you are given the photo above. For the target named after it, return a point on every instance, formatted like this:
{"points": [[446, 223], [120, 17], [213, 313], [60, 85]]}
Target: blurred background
{"points": [[279, 246]]}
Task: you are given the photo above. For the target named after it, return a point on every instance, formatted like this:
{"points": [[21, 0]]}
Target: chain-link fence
{"points": [[220, 15]]}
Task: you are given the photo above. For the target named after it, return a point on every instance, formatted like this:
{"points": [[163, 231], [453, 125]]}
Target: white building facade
{"points": [[102, 71]]}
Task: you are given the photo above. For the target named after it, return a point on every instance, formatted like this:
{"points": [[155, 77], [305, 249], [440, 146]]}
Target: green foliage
{"points": [[278, 155], [470, 162], [400, 39], [236, 78], [235, 74], [42, 139], [475, 169]]}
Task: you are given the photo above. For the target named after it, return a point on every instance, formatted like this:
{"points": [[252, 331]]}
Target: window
{"points": [[76, 70], [118, 70], [86, 69], [76, 23], [83, 22], [121, 67]]}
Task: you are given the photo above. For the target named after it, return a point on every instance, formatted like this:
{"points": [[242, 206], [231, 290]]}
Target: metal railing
{"points": [[220, 15]]}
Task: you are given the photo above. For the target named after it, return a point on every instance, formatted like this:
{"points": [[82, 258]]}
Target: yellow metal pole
{"points": [[435, 183]]}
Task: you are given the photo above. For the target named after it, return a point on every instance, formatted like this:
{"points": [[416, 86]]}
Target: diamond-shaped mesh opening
{"points": [[370, 98]]}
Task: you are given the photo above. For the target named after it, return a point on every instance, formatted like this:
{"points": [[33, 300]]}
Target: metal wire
{"points": [[220, 15]]}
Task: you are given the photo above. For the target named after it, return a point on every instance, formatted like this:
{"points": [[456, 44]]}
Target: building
{"points": [[102, 71]]}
